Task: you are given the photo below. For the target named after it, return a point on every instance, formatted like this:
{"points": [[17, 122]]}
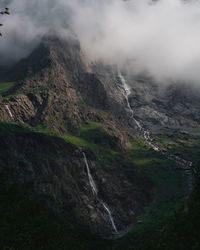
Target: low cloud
{"points": [[160, 37]]}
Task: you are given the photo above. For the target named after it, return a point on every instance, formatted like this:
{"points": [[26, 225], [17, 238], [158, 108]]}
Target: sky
{"points": [[159, 37]]}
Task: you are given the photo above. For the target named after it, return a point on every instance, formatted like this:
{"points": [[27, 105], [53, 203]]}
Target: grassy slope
{"points": [[84, 139], [185, 143], [170, 186], [5, 86], [180, 232]]}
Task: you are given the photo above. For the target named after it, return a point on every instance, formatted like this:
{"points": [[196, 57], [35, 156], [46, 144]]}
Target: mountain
{"points": [[95, 143], [57, 91]]}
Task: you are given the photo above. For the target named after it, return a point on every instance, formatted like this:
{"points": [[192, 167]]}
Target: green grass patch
{"points": [[78, 141], [97, 133], [85, 139], [42, 129], [170, 184], [88, 130], [91, 125], [11, 127], [93, 136], [5, 86], [186, 144]]}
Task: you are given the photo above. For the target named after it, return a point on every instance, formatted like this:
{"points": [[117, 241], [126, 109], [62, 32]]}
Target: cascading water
{"points": [[123, 86], [125, 89], [110, 216], [185, 165], [91, 181], [95, 192], [9, 111]]}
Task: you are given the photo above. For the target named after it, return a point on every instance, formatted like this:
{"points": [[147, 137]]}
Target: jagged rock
{"points": [[57, 89]]}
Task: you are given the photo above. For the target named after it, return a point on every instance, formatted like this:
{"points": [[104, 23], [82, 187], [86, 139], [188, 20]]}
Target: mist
{"points": [[159, 37]]}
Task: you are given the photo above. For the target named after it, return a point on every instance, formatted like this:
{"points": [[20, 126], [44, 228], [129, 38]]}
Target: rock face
{"points": [[57, 88], [174, 106], [54, 170]]}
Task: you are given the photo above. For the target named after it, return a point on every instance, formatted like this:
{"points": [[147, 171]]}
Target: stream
{"points": [[9, 111], [182, 163]]}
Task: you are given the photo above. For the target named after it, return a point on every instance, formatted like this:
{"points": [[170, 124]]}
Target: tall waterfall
{"points": [[95, 192], [91, 181], [185, 165], [125, 90], [110, 216]]}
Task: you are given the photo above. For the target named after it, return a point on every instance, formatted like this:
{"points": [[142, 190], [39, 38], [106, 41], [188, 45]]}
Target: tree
{"points": [[4, 12]]}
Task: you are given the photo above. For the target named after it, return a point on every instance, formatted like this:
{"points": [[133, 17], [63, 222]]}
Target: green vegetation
{"points": [[184, 143], [11, 127], [5, 86], [91, 125], [78, 141], [42, 129], [180, 232], [93, 136], [170, 193]]}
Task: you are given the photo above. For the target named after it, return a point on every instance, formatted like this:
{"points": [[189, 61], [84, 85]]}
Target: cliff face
{"points": [[155, 106], [56, 87], [50, 168]]}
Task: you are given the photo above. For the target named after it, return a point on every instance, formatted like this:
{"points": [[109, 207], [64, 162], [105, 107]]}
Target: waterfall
{"points": [[95, 192], [9, 111], [110, 216], [91, 181], [126, 92], [125, 89], [185, 165]]}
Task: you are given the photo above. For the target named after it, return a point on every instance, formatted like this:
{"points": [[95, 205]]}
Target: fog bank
{"points": [[161, 37]]}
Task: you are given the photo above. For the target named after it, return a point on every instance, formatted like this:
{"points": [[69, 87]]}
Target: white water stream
{"points": [[110, 216], [91, 181], [95, 192], [9, 111], [183, 164]]}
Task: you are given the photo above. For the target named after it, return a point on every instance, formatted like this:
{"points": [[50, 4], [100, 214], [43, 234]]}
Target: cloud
{"points": [[160, 37]]}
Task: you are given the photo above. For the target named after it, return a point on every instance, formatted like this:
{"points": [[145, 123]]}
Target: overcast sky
{"points": [[162, 37]]}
